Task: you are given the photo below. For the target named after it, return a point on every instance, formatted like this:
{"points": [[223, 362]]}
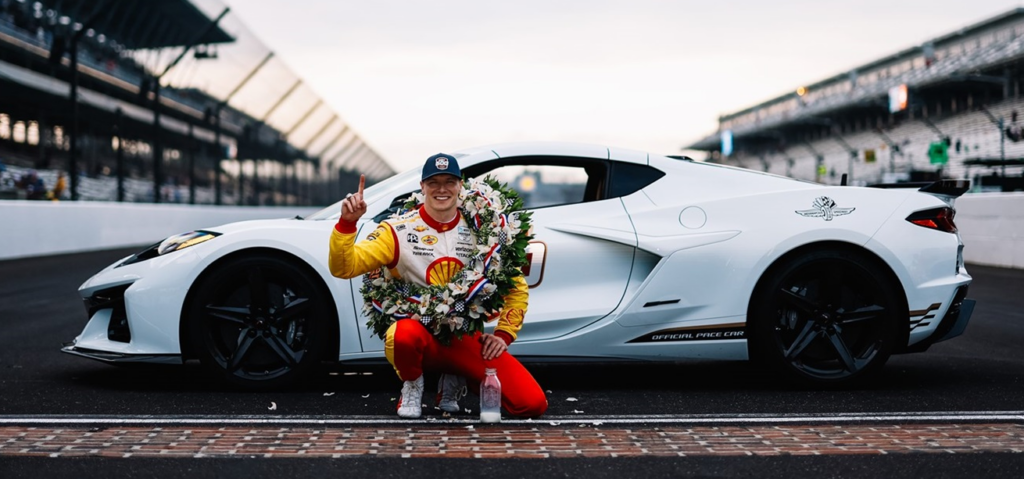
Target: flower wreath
{"points": [[475, 293]]}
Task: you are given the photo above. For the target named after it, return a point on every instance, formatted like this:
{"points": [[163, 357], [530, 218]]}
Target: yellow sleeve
{"points": [[348, 259], [510, 320]]}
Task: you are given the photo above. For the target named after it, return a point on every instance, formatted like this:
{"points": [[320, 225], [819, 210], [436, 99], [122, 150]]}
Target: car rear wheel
{"points": [[826, 317], [259, 322]]}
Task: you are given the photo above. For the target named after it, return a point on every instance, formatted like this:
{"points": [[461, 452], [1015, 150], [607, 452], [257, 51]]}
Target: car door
{"points": [[577, 274]]}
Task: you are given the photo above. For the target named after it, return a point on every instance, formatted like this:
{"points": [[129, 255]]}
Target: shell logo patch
{"points": [[429, 240], [442, 270]]}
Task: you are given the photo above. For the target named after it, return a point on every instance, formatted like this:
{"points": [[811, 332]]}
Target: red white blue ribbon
{"points": [[476, 288], [490, 255]]}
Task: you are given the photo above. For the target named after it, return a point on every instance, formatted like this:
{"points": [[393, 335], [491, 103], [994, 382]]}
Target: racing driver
{"points": [[428, 247]]}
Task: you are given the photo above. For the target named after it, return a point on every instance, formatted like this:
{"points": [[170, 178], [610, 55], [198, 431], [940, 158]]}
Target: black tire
{"points": [[259, 322], [828, 317]]}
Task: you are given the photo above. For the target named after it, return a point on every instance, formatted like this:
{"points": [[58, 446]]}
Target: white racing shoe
{"points": [[450, 388], [410, 405]]}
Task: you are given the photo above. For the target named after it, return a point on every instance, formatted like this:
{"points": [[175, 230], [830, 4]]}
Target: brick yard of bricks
{"points": [[497, 441]]}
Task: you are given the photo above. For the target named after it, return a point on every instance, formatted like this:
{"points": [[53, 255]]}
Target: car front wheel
{"points": [[258, 322], [826, 317]]}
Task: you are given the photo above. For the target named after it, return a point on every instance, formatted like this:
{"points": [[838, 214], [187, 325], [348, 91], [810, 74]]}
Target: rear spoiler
{"points": [[953, 188]]}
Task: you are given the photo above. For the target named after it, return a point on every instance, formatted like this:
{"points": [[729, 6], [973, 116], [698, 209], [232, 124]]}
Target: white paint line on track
{"points": [[702, 419]]}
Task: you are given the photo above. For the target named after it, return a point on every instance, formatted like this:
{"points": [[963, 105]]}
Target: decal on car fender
{"points": [[536, 256], [824, 207], [713, 332], [922, 315]]}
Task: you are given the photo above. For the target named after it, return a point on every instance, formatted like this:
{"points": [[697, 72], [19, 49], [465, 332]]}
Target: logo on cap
{"points": [[441, 163]]}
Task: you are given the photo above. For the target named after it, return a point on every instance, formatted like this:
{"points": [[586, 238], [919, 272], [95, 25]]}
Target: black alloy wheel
{"points": [[827, 317], [259, 322]]}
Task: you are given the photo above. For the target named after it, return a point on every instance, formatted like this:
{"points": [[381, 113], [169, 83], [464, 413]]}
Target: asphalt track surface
{"points": [[981, 372]]}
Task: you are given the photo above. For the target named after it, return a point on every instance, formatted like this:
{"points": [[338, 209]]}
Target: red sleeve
{"points": [[345, 227], [504, 337]]}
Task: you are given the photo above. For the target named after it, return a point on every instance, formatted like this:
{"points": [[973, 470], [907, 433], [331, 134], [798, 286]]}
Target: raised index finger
{"points": [[362, 183]]}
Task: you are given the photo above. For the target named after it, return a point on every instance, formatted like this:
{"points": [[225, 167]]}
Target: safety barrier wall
{"points": [[992, 227], [991, 224], [39, 228]]}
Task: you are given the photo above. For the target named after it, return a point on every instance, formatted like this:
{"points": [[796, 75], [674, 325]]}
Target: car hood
{"points": [[288, 223]]}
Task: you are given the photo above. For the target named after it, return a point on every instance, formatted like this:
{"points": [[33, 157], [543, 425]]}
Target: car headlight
{"points": [[170, 245], [184, 240]]}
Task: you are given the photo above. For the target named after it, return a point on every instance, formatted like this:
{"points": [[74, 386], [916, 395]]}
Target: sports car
{"points": [[635, 257]]}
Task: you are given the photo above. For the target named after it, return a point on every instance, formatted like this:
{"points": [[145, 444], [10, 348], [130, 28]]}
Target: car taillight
{"points": [[937, 219]]}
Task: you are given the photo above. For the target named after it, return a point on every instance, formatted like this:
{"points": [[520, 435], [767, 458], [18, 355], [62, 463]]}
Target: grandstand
{"points": [[175, 101], [948, 108]]}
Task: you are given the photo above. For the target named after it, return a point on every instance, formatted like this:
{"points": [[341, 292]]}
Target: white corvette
{"points": [[635, 257]]}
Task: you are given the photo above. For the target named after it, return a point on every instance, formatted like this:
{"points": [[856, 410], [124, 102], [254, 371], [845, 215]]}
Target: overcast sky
{"points": [[415, 78]]}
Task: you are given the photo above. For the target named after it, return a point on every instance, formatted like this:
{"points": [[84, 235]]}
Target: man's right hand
{"points": [[353, 207]]}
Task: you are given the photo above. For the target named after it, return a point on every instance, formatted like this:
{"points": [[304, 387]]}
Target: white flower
{"points": [[454, 323], [442, 308], [378, 282], [489, 288], [458, 287]]}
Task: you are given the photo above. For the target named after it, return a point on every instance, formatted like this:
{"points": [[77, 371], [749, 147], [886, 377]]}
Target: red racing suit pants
{"points": [[412, 349]]}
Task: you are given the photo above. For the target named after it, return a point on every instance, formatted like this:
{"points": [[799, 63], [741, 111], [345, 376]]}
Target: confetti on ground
{"points": [[273, 406]]}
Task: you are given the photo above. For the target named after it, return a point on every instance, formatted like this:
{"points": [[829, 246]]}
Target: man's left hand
{"points": [[491, 346]]}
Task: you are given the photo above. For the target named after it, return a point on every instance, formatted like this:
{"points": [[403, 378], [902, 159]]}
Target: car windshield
{"points": [[371, 194]]}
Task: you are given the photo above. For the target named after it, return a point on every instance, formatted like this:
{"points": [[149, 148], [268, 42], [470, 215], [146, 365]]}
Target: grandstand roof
{"points": [[141, 25], [871, 94]]}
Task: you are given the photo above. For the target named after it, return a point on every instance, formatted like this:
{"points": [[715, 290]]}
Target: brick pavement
{"points": [[505, 441]]}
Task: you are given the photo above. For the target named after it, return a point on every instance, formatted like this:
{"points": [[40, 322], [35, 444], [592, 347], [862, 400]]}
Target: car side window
{"points": [[545, 185], [628, 178], [545, 181]]}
